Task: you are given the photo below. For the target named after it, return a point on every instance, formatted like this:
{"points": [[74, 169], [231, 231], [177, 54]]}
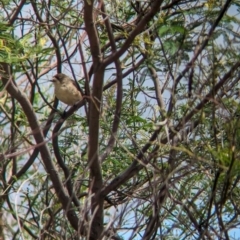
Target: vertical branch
{"points": [[94, 117], [117, 113]]}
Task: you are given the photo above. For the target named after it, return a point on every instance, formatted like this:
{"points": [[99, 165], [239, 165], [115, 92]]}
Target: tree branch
{"points": [[138, 29], [44, 151], [94, 118]]}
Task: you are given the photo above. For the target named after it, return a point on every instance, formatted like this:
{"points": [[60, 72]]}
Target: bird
{"points": [[66, 89]]}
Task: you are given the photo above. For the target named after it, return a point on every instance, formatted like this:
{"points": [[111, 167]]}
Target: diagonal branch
{"points": [[198, 52], [16, 12], [135, 167], [155, 6], [44, 151]]}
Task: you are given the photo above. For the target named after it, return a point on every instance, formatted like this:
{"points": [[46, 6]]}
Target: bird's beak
{"points": [[53, 80]]}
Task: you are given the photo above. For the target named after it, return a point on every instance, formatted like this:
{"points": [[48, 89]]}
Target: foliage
{"points": [[152, 151]]}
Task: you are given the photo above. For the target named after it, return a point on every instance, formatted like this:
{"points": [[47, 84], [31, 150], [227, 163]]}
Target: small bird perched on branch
{"points": [[66, 89]]}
